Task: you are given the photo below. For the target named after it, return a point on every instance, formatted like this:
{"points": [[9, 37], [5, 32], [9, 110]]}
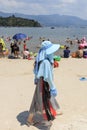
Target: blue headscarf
{"points": [[46, 52], [41, 56]]}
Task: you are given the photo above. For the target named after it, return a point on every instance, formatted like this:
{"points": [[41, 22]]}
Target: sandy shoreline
{"points": [[16, 91]]}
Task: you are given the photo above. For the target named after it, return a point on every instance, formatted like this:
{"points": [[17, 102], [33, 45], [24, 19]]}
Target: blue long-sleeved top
{"points": [[46, 71]]}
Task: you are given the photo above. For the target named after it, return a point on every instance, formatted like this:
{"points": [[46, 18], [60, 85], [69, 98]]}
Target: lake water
{"points": [[56, 35]]}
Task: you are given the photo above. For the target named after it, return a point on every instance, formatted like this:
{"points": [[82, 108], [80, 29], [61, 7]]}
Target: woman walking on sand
{"points": [[44, 106]]}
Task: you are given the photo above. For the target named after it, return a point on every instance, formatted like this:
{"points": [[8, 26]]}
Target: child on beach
{"points": [[26, 54], [24, 45]]}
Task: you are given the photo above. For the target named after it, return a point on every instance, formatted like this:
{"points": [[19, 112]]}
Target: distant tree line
{"points": [[13, 21]]}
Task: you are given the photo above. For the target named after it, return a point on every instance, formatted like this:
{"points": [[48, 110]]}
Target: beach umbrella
{"points": [[19, 36]]}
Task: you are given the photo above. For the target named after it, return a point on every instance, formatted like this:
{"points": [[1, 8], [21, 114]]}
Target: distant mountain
{"points": [[51, 20]]}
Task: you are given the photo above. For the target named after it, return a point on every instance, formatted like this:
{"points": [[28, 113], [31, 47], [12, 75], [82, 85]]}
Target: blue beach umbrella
{"points": [[19, 36]]}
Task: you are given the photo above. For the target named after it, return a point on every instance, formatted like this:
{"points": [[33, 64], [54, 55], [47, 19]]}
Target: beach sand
{"points": [[17, 88]]}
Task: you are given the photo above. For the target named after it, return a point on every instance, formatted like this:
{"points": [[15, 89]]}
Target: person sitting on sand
{"points": [[66, 52], [79, 52], [85, 52], [26, 54]]}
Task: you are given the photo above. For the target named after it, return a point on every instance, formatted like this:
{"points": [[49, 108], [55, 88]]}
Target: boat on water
{"points": [[52, 27]]}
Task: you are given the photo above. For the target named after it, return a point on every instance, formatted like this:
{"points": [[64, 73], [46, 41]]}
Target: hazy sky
{"points": [[35, 7]]}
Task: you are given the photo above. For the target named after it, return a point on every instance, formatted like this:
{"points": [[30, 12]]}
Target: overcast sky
{"points": [[40, 7]]}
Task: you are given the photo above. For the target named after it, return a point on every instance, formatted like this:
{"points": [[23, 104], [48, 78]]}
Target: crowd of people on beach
{"points": [[14, 52], [81, 51]]}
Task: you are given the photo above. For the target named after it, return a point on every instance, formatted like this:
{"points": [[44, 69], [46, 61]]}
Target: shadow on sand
{"points": [[22, 117]]}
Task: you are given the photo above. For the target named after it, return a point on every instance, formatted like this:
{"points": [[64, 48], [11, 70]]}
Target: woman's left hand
{"points": [[53, 92]]}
